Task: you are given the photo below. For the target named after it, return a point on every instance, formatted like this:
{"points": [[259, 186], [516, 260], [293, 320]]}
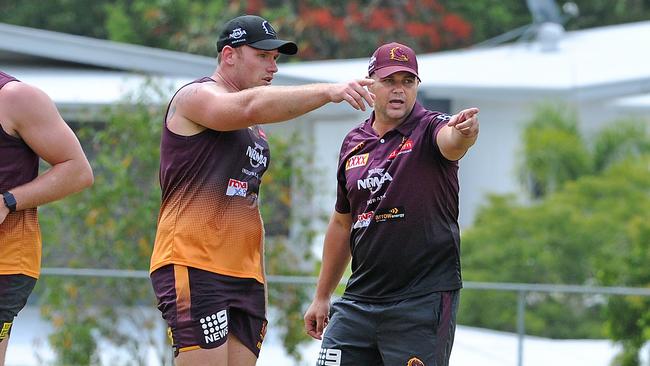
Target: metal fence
{"points": [[522, 289]]}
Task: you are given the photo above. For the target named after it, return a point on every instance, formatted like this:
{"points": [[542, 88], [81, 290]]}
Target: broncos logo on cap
{"points": [[397, 54], [268, 29]]}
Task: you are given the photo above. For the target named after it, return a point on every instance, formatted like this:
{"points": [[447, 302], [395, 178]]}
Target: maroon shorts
{"points": [[14, 291], [202, 308]]}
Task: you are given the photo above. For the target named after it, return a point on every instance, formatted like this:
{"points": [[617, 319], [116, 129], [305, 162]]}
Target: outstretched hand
{"points": [[465, 122], [354, 92]]}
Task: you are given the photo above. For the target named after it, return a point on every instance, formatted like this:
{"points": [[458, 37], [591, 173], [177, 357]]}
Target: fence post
{"points": [[521, 326]]}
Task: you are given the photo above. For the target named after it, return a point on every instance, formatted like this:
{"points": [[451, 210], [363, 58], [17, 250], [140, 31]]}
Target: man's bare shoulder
{"points": [[22, 102], [18, 91], [194, 90]]}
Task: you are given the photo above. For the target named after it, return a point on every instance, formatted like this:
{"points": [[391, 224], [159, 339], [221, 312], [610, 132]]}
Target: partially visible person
{"points": [[396, 218], [207, 266], [30, 127]]}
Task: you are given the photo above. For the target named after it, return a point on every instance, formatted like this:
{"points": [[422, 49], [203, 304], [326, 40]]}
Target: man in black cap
{"points": [[207, 266]]}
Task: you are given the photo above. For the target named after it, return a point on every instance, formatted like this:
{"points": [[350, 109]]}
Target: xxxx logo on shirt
{"points": [[356, 161]]}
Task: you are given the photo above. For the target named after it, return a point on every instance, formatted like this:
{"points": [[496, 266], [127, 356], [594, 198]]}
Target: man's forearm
{"points": [[59, 181]]}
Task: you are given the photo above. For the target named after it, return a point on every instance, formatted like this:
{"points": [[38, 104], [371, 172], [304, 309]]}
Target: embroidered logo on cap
{"points": [[372, 62], [268, 29], [237, 33], [397, 54]]}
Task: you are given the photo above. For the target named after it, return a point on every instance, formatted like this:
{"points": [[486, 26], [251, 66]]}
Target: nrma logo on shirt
{"points": [[256, 156], [236, 188], [375, 180]]}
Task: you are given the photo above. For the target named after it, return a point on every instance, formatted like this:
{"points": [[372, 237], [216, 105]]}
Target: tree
{"points": [[323, 29], [587, 225], [110, 226]]}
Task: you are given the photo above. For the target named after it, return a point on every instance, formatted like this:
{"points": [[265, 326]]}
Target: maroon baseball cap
{"points": [[391, 58]]}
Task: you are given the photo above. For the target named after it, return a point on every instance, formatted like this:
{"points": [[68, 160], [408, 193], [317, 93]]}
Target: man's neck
{"points": [[225, 81], [382, 126]]}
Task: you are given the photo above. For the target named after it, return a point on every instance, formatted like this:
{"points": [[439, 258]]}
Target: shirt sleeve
{"points": [[438, 121], [342, 203]]}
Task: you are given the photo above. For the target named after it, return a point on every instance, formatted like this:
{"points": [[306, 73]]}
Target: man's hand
{"points": [[4, 211], [317, 317], [353, 92], [465, 122]]}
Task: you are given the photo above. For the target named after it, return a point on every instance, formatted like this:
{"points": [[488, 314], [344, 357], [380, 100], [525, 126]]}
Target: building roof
{"points": [[594, 63], [104, 54]]}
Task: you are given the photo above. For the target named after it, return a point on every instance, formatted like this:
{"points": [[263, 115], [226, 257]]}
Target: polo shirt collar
{"points": [[405, 127]]}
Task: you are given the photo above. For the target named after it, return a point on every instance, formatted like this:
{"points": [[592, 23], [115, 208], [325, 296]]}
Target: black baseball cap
{"points": [[256, 32]]}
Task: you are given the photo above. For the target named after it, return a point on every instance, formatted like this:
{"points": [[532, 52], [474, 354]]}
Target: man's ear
{"points": [[228, 55]]}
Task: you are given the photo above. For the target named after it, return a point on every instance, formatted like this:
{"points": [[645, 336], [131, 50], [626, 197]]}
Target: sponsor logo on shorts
{"points": [[375, 180], [356, 161], [170, 335], [414, 361], [262, 335], [386, 214], [256, 156], [4, 331], [406, 148], [329, 357], [215, 326], [236, 188], [363, 220]]}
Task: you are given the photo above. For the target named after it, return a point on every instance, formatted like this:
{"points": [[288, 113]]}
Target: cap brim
{"points": [[285, 47], [389, 70]]}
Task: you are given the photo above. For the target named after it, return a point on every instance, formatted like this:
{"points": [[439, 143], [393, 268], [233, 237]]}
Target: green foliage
{"points": [[289, 234], [323, 29], [590, 225], [554, 151], [111, 225]]}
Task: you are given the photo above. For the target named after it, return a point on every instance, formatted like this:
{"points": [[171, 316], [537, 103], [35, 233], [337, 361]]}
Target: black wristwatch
{"points": [[10, 201]]}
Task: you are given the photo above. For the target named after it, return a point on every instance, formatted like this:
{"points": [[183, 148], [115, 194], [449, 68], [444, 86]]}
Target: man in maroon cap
{"points": [[207, 266], [396, 217]]}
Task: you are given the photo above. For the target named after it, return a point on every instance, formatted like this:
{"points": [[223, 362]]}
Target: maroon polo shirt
{"points": [[403, 198]]}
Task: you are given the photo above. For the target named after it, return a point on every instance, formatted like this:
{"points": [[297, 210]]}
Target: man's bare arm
{"points": [[34, 117], [206, 105]]}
